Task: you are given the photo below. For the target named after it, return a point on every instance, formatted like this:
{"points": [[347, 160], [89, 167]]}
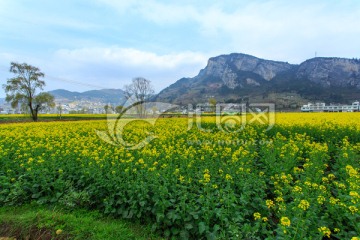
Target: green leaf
{"points": [[188, 226], [202, 227], [36, 195]]}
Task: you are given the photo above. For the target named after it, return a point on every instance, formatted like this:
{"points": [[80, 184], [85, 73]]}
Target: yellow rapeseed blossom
{"points": [[297, 189], [269, 203], [207, 176], [331, 176], [228, 177], [280, 169], [325, 231], [285, 221], [304, 205], [257, 216], [353, 209], [321, 199]]}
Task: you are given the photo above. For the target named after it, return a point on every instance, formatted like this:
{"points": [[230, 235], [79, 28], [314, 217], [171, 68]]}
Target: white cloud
{"points": [[270, 29], [112, 67], [131, 57], [116, 66]]}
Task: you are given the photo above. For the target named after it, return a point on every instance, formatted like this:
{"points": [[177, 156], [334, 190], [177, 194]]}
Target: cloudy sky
{"points": [[92, 44]]}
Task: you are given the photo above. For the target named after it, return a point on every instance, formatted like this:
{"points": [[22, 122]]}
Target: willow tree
{"points": [[23, 89]]}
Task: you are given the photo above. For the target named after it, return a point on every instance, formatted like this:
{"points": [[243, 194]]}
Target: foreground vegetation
{"points": [[9, 118], [298, 180], [49, 222]]}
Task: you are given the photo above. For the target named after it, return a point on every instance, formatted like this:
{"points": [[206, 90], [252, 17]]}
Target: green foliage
{"points": [[35, 221], [22, 89]]}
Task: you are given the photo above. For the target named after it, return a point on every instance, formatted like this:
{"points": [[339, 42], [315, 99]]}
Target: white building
{"points": [[321, 107]]}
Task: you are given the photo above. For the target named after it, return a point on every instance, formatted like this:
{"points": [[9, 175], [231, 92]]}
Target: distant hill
{"points": [[240, 77], [113, 96]]}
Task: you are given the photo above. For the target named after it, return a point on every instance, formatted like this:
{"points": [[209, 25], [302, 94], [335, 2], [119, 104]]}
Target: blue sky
{"points": [[82, 45]]}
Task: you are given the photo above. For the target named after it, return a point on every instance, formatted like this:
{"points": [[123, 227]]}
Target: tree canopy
{"points": [[22, 89], [138, 92]]}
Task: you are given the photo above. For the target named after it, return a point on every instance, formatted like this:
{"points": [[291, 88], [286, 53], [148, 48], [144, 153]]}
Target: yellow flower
{"points": [[304, 205], [333, 200], [270, 203], [321, 199], [298, 170], [228, 177], [59, 231], [285, 221], [314, 185], [354, 194], [257, 216], [297, 189], [265, 219], [331, 176], [325, 231], [206, 176], [325, 179], [353, 209]]}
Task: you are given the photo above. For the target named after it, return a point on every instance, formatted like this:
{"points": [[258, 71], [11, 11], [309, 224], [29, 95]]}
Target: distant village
{"points": [[99, 107], [62, 107]]}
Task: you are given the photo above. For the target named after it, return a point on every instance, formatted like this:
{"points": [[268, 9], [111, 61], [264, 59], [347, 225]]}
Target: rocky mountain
{"points": [[239, 77], [331, 72], [113, 96]]}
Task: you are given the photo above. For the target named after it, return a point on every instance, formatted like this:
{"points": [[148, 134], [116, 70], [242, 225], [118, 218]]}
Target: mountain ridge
{"points": [[113, 96], [237, 76]]}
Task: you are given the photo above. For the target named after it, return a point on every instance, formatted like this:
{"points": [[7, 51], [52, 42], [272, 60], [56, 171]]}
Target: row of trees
{"points": [[23, 90]]}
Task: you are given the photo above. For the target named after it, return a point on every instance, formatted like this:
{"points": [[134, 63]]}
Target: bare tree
{"points": [[22, 88], [138, 92], [60, 110]]}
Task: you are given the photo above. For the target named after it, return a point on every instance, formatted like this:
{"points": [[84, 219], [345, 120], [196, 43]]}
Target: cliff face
{"points": [[331, 72], [229, 68], [237, 75]]}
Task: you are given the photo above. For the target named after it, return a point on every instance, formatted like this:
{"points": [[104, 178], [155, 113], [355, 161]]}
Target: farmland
{"points": [[298, 180]]}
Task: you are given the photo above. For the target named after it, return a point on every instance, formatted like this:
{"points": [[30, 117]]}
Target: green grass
{"points": [[13, 118], [41, 222], [50, 117]]}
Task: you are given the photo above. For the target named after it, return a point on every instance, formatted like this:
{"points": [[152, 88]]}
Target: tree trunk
{"points": [[35, 116], [34, 113]]}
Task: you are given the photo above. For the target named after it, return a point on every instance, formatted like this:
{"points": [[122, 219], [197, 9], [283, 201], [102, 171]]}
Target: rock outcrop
{"points": [[237, 75]]}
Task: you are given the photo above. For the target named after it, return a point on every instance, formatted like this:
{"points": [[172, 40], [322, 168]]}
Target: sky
{"points": [[83, 45]]}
